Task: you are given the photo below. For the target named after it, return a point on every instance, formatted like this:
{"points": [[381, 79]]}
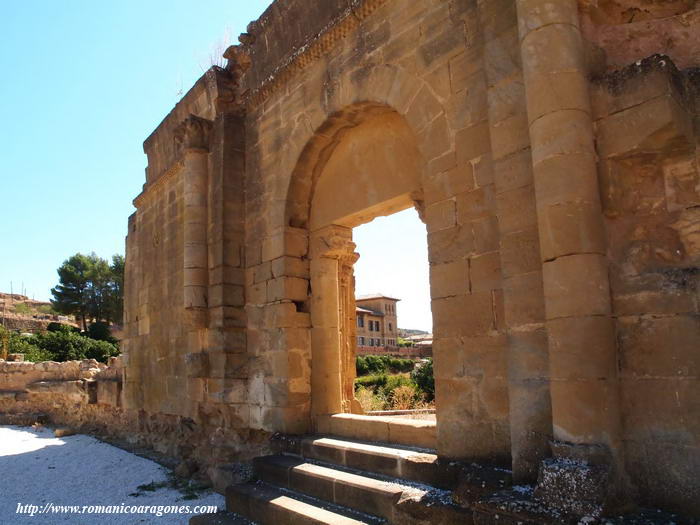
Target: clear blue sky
{"points": [[83, 84]]}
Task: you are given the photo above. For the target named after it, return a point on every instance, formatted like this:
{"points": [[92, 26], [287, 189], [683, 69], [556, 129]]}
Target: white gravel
{"points": [[39, 469]]}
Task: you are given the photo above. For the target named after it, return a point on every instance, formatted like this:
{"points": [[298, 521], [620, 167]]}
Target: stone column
{"points": [[332, 256], [193, 137], [582, 349], [530, 414]]}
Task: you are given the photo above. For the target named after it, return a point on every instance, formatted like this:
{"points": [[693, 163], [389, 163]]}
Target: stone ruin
{"points": [[550, 148]]}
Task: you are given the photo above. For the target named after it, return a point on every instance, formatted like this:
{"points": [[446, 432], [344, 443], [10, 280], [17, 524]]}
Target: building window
{"points": [[390, 327], [376, 326], [362, 341], [361, 321]]}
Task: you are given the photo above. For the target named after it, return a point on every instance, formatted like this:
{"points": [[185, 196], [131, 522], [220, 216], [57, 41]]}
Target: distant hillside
{"points": [[407, 332], [19, 312]]}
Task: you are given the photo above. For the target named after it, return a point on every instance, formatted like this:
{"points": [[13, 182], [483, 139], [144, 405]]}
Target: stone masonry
{"points": [[550, 148]]}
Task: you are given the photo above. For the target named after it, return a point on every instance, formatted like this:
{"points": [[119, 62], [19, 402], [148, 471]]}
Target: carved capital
{"points": [[334, 242], [193, 133]]}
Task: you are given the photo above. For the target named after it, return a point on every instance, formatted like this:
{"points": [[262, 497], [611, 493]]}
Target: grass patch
{"points": [[189, 489]]}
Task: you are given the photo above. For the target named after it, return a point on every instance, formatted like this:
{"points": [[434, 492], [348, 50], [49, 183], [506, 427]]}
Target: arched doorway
{"points": [[370, 166]]}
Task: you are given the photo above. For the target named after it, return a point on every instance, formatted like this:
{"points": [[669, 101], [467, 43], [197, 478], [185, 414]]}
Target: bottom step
{"points": [[267, 504], [220, 518]]}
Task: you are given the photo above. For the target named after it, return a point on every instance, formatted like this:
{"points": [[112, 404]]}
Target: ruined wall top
{"points": [[213, 92], [290, 34], [287, 27]]}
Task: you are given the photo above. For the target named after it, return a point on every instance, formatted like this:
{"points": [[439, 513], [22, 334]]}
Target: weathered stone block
{"points": [[573, 286], [485, 272], [472, 142], [109, 393], [449, 279], [440, 215]]}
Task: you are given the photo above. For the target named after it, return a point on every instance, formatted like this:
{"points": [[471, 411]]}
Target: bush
{"points": [[378, 364], [369, 400], [34, 353], [398, 365], [405, 397], [19, 344], [60, 327], [23, 309], [423, 377], [46, 309], [67, 345], [100, 331], [373, 381]]}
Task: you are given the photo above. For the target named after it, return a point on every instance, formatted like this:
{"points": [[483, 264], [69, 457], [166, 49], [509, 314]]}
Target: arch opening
{"points": [[364, 164]]}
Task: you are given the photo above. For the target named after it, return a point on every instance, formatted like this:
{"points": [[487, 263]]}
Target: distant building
{"points": [[376, 322], [378, 332]]}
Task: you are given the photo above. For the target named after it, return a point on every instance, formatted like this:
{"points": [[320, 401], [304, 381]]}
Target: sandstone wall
{"points": [[558, 181], [422, 62], [195, 354], [647, 122]]}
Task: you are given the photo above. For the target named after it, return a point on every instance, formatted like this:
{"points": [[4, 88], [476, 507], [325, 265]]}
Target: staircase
{"points": [[332, 480], [326, 480]]}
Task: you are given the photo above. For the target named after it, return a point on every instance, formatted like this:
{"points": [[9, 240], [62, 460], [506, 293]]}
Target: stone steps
{"points": [[332, 480], [384, 429], [421, 466], [343, 488], [268, 504]]}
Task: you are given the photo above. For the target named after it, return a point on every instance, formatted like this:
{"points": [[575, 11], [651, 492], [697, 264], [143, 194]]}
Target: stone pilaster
{"points": [[192, 137], [582, 350], [332, 319], [530, 414]]}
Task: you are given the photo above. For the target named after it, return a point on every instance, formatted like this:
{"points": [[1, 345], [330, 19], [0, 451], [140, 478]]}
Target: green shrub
{"points": [[423, 377], [398, 365], [101, 351], [361, 366], [35, 354], [23, 309], [373, 381], [19, 344], [379, 364], [100, 331], [67, 345], [46, 309], [60, 327]]}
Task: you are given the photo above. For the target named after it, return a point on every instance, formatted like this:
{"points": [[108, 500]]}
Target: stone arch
{"points": [[365, 162], [355, 98], [459, 224], [382, 105]]}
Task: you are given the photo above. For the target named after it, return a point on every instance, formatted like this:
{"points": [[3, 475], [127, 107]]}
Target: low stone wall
{"points": [[87, 397]]}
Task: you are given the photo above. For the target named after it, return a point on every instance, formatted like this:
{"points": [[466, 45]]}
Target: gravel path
{"points": [[39, 469]]}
